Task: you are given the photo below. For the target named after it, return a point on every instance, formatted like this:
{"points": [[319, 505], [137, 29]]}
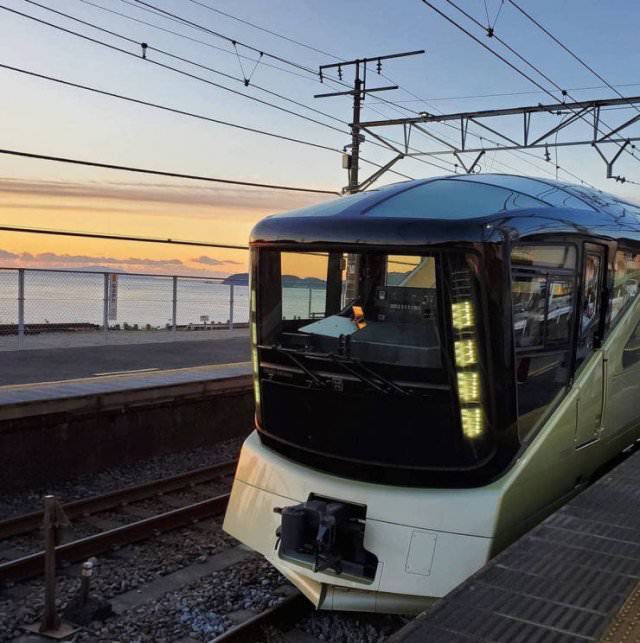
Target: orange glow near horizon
{"points": [[213, 216]]}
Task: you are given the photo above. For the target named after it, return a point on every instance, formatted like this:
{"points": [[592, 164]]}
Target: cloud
{"points": [[54, 261], [210, 261], [264, 200], [52, 257]]}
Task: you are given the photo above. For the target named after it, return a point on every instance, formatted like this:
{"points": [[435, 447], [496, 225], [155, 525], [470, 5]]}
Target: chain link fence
{"points": [[57, 308]]}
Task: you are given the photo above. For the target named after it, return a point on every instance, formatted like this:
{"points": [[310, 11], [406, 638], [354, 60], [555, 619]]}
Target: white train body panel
{"points": [[427, 540]]}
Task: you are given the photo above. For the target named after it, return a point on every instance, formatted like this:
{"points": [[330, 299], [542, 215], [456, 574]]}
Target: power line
{"points": [[500, 94], [272, 33], [571, 53], [117, 237], [393, 104], [194, 76], [194, 63], [233, 41], [190, 38], [166, 108], [531, 65], [176, 175], [382, 101], [194, 25], [495, 53]]}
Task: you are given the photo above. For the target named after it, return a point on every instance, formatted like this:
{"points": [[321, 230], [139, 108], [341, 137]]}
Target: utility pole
{"points": [[351, 162]]}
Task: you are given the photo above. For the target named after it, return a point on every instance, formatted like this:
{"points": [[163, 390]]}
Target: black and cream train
{"points": [[438, 364]]}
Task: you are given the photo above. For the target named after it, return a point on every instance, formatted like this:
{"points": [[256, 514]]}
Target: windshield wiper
{"points": [[390, 383], [356, 368], [289, 353], [362, 372]]}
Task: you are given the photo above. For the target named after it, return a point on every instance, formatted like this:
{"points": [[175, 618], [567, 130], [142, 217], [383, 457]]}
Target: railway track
{"points": [[82, 548], [280, 617]]}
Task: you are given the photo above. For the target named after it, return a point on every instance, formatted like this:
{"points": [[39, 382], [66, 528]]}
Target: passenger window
{"points": [[590, 317], [631, 354], [626, 282], [543, 300], [591, 290]]}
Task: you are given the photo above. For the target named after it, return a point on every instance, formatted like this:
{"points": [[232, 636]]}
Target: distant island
{"points": [[238, 279], [288, 281]]}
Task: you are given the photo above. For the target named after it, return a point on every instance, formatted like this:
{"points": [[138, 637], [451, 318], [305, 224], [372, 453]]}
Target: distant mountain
{"points": [[238, 279], [288, 281], [291, 281]]}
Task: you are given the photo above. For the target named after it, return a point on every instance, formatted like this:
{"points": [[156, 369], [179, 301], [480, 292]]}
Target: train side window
{"points": [[543, 301], [626, 282], [631, 353], [591, 300]]}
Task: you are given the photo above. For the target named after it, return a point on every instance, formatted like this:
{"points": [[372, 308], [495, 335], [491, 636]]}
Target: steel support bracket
{"points": [[471, 168], [609, 163], [379, 172]]}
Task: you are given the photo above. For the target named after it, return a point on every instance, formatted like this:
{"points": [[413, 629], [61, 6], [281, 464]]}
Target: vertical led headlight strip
{"points": [[255, 363], [463, 320]]}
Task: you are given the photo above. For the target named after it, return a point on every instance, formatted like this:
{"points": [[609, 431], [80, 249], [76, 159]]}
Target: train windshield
{"points": [[370, 358]]}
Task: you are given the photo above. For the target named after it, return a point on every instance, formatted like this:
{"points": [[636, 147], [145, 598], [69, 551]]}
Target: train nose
{"points": [[326, 535]]}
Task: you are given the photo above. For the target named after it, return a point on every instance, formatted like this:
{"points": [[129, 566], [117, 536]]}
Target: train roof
{"points": [[456, 208]]}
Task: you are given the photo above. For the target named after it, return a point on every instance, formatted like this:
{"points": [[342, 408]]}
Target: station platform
{"points": [[27, 400], [572, 578], [64, 429]]}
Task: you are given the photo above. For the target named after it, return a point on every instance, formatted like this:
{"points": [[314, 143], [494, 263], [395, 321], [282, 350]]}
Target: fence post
{"points": [[20, 307], [105, 307], [230, 306], [174, 310], [310, 291]]}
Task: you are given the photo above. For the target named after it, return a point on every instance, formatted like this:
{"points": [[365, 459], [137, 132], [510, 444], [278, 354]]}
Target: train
{"points": [[438, 364]]}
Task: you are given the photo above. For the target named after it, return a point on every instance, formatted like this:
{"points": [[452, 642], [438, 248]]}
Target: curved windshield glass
{"points": [[353, 345]]}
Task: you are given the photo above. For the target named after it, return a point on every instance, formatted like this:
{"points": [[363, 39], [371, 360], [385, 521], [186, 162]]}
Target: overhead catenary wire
{"points": [[190, 38], [190, 62], [255, 61], [194, 77], [505, 94], [194, 25], [181, 20], [569, 51], [505, 60], [202, 79], [332, 55], [165, 173], [119, 237], [166, 108], [191, 24]]}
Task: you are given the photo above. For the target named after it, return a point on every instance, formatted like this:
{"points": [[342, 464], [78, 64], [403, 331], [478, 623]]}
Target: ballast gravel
{"points": [[129, 568], [200, 611], [345, 627], [116, 478]]}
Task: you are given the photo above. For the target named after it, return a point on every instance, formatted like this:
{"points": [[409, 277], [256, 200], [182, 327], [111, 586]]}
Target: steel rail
{"points": [[280, 616], [87, 506], [33, 564]]}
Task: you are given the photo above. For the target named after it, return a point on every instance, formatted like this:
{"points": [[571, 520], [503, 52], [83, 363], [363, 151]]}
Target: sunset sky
{"points": [[455, 74]]}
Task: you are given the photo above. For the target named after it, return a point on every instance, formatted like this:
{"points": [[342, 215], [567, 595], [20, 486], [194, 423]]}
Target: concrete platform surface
{"points": [[571, 579], [22, 394], [53, 364]]}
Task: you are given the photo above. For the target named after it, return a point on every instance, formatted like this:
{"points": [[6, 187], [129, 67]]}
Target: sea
{"points": [[144, 301]]}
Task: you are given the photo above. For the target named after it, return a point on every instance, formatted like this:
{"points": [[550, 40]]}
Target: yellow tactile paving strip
{"points": [[625, 627]]}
